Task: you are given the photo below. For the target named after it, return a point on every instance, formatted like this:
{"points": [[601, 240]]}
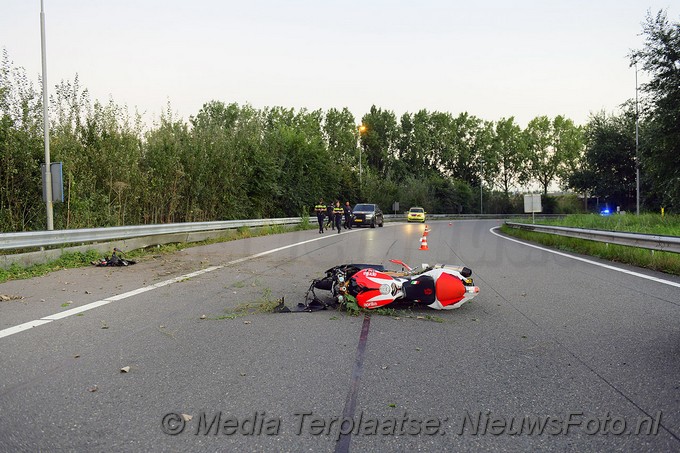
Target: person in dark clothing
{"points": [[337, 212], [348, 215], [329, 213], [320, 210]]}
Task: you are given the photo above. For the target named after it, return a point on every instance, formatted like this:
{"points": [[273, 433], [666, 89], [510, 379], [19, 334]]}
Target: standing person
{"points": [[329, 213], [348, 215], [337, 212], [320, 210]]}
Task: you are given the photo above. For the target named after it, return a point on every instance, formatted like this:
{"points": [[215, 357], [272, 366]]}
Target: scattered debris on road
{"points": [[114, 260]]}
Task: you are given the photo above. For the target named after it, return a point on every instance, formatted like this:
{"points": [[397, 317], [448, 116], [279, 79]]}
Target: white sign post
{"points": [[532, 204]]}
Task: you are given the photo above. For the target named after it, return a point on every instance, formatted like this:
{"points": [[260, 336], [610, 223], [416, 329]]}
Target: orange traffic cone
{"points": [[426, 232], [423, 243]]}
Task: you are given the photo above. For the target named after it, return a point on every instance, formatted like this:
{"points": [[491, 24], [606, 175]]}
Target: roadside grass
{"points": [[668, 225], [648, 223], [71, 260], [65, 261]]}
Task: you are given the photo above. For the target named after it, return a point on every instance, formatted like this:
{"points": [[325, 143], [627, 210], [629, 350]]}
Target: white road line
{"points": [[76, 310], [578, 258], [21, 327], [100, 303]]}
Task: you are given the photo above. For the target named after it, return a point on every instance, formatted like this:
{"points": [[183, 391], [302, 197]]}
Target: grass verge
{"points": [[659, 261], [66, 261], [668, 225]]}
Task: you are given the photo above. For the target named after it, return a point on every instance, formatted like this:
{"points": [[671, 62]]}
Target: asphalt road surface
{"points": [[555, 354]]}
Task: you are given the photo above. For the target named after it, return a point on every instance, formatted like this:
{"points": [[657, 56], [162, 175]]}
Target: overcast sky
{"points": [[493, 59]]}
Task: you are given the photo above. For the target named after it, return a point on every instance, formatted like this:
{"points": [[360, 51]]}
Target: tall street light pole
{"points": [[362, 129], [46, 124], [637, 145], [481, 184]]}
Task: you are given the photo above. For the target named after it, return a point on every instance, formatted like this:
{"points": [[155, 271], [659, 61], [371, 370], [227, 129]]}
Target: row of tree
{"points": [[231, 161], [613, 154]]}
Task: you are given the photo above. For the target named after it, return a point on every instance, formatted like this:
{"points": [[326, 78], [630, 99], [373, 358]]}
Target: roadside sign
{"points": [[56, 172], [532, 203]]}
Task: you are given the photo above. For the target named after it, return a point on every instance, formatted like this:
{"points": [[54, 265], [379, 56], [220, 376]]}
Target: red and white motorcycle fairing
{"points": [[440, 287]]}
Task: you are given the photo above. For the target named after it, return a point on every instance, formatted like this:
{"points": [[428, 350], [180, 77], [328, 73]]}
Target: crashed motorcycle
{"points": [[439, 286]]}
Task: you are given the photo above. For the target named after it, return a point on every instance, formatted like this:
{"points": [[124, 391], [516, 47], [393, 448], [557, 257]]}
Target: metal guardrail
{"points": [[33, 239], [485, 216], [647, 241]]}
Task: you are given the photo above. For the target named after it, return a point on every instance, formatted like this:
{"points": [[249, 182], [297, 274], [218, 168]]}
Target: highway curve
{"points": [[554, 354]]}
